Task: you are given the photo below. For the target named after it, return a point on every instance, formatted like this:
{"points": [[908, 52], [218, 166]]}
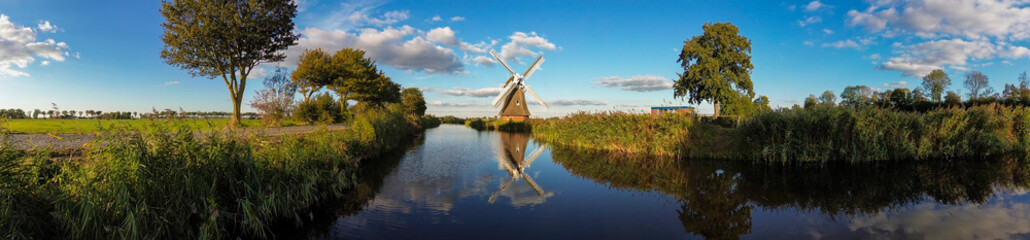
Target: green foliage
{"points": [[477, 124], [348, 73], [314, 72], [619, 131], [172, 183], [882, 134], [952, 99], [452, 120], [811, 101], [322, 109], [828, 99], [57, 126], [216, 38], [716, 66], [935, 82], [854, 96], [413, 101], [743, 105]]}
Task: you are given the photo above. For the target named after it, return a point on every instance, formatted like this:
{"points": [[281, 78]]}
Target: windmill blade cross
{"points": [[532, 68], [536, 188], [535, 155], [504, 94], [531, 93], [502, 62]]}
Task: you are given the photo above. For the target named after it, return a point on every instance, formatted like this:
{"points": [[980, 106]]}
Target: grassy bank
{"points": [[169, 183], [491, 124], [882, 134], [668, 134], [55, 126], [817, 134]]}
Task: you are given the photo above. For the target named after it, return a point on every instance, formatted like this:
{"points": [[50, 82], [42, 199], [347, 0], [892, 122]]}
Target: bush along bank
{"points": [[480, 124], [172, 183], [868, 134]]}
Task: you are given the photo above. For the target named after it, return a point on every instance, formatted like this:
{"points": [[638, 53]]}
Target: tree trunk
{"points": [[235, 118], [716, 109]]}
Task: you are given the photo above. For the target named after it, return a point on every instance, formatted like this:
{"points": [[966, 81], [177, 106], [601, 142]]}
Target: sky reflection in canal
{"points": [[464, 184]]}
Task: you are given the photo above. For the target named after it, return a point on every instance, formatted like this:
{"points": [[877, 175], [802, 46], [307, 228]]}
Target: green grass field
{"points": [[33, 126]]}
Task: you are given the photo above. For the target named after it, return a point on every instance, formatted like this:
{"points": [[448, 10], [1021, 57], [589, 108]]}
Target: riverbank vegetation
{"points": [[83, 126], [494, 124], [172, 182]]}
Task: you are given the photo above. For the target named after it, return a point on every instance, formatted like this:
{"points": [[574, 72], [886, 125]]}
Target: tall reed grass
{"points": [[868, 134], [173, 183], [619, 131]]}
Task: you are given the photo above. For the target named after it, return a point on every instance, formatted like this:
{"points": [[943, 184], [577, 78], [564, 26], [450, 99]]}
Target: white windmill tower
{"points": [[512, 99]]}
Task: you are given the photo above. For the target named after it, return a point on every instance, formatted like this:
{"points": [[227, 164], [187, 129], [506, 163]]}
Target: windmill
{"points": [[513, 95], [513, 159]]}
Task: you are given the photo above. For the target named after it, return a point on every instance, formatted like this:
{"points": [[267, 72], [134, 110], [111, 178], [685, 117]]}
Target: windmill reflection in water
{"points": [[513, 159]]}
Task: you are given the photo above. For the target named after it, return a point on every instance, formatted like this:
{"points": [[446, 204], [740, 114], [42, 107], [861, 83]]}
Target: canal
{"points": [[457, 183]]}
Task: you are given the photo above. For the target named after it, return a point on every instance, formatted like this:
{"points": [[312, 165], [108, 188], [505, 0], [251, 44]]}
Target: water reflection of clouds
{"points": [[999, 220], [433, 179]]}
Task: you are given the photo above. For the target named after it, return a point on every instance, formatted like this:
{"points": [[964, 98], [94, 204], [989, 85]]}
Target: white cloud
{"points": [[815, 5], [451, 104], [484, 61], [895, 84], [436, 18], [521, 44], [447, 37], [355, 14], [874, 56], [19, 48], [457, 19], [808, 43], [810, 20], [827, 31], [1003, 220], [170, 83], [575, 102], [459, 91], [842, 44], [639, 83], [44, 63], [1006, 19], [387, 46], [45, 26], [919, 59]]}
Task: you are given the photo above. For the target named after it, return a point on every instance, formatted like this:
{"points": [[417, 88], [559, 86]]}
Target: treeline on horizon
{"points": [[931, 94]]}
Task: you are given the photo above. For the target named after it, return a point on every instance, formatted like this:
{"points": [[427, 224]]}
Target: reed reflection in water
{"points": [[463, 184], [947, 199]]}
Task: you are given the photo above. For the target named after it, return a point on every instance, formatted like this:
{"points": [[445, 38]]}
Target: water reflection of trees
{"points": [[717, 196]]}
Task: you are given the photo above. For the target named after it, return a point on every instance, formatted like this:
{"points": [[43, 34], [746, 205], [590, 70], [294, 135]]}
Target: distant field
{"points": [[32, 126]]}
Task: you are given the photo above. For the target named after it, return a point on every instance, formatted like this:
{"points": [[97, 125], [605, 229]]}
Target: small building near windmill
{"points": [[658, 111]]}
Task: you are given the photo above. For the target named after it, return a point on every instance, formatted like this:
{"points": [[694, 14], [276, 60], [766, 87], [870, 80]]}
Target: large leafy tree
{"points": [[413, 101], [716, 66], [935, 82], [856, 96], [355, 77], [314, 71], [227, 38]]}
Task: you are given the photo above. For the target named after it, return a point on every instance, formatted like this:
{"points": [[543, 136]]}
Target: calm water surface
{"points": [[457, 183]]}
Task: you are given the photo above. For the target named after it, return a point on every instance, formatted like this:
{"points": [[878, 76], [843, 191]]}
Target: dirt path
{"points": [[73, 141]]}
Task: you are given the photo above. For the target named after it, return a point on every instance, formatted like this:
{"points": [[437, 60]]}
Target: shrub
{"points": [[322, 109]]}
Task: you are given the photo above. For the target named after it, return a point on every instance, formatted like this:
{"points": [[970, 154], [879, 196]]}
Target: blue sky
{"points": [[600, 55]]}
